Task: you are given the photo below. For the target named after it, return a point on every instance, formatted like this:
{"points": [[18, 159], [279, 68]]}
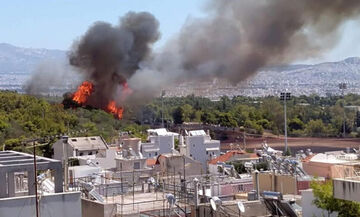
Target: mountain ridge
{"points": [[14, 59]]}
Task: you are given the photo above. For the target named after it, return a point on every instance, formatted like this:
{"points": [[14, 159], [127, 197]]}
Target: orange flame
{"points": [[86, 89], [117, 111], [83, 92]]}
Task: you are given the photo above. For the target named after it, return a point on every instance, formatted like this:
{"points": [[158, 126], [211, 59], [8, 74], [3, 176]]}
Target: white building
{"points": [[160, 141], [199, 146], [104, 159], [79, 146]]}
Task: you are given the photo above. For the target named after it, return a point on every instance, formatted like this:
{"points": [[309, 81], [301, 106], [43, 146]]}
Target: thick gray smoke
{"points": [[109, 55], [234, 40], [239, 37], [51, 78]]}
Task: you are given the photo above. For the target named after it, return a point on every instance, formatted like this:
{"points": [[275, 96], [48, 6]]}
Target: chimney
{"points": [[65, 139]]}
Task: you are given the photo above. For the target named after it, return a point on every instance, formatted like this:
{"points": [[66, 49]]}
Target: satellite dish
{"points": [[241, 207], [215, 202], [213, 205]]}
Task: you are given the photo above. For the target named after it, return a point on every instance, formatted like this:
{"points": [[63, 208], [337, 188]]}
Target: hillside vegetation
{"points": [[306, 115], [24, 117]]}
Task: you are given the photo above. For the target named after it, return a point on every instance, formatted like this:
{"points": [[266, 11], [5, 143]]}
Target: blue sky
{"points": [[56, 23]]}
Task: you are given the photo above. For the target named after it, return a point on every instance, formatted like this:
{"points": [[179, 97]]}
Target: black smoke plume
{"points": [[234, 40], [109, 55]]}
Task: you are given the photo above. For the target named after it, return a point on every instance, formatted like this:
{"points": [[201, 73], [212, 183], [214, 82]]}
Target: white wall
{"points": [[164, 144], [309, 209], [54, 205], [105, 162], [196, 149]]}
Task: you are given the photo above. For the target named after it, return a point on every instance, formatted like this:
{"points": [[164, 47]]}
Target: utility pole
{"points": [[283, 97], [35, 182], [343, 87]]}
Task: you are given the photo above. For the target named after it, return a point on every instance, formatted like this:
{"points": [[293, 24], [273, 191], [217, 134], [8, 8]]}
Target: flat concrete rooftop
{"points": [[13, 158], [12, 162]]}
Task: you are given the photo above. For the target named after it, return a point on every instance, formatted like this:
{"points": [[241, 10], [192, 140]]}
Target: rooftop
{"points": [[19, 159], [331, 158], [87, 143], [230, 154], [161, 132], [197, 133]]}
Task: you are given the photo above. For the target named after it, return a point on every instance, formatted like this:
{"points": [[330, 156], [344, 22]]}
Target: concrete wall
{"points": [[105, 160], [346, 189], [139, 175], [280, 183], [328, 170], [308, 208], [133, 143], [123, 164], [252, 208], [95, 209], [169, 164], [317, 169], [54, 205]]}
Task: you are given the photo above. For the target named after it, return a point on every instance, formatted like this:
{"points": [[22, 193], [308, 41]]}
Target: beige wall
{"points": [[317, 169], [280, 183], [328, 170]]}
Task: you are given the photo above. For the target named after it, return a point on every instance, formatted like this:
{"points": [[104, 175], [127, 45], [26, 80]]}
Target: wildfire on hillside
{"points": [[85, 91]]}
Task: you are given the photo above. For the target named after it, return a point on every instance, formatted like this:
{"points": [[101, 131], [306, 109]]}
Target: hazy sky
{"points": [[56, 23]]}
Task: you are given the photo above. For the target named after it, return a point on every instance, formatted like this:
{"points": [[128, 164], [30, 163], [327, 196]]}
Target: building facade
{"points": [[200, 147], [160, 141]]}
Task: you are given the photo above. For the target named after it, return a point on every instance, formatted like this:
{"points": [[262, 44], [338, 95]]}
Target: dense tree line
{"points": [[306, 115], [23, 117]]}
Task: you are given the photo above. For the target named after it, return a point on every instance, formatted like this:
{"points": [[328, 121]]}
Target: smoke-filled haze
{"points": [[234, 40]]}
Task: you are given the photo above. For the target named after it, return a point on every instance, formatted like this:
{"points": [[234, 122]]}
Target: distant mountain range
{"points": [[320, 78], [24, 60], [346, 70]]}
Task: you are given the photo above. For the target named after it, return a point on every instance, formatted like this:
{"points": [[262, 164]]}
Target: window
{"points": [[93, 138], [136, 165], [207, 152], [155, 153], [74, 140], [90, 152]]}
